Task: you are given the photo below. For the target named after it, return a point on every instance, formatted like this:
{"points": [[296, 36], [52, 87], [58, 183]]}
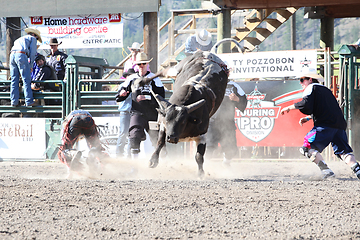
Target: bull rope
{"points": [[223, 66]]}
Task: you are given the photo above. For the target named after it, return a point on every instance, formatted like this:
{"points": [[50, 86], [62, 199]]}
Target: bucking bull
{"points": [[198, 91]]}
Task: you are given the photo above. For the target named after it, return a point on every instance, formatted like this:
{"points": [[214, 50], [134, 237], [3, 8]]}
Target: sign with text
{"points": [[261, 123], [98, 31], [109, 127], [269, 64], [22, 138]]}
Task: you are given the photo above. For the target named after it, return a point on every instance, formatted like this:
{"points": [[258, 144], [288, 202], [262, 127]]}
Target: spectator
{"points": [[24, 49], [122, 141], [57, 59], [222, 126], [35, 68], [130, 63], [321, 106], [144, 104], [130, 67], [45, 72], [202, 40]]}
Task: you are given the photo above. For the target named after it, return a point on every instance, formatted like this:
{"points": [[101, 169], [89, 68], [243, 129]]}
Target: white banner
{"points": [[22, 138], [93, 31], [109, 132], [269, 64]]}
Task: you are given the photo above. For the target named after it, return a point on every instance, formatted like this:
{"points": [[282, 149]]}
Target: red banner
{"points": [[261, 123]]}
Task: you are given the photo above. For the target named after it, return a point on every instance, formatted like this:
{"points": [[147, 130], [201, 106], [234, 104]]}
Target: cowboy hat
{"points": [[54, 41], [311, 73], [34, 31], [135, 46], [142, 58], [203, 37]]}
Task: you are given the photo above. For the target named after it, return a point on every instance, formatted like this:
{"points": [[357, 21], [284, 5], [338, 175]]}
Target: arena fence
{"points": [[349, 92], [83, 89]]}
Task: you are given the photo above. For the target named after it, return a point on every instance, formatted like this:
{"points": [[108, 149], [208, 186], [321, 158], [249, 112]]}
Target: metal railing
{"points": [[93, 100], [40, 108]]}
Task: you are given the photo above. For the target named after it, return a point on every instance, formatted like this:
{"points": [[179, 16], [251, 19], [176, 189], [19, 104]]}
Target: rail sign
{"points": [[109, 128], [22, 138], [91, 31]]}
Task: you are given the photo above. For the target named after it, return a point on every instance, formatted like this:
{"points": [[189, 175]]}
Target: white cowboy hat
{"points": [[142, 58], [34, 31], [311, 73], [203, 37], [135, 46]]}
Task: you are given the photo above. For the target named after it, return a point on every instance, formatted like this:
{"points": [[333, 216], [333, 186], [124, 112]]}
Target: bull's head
{"points": [[176, 118]]}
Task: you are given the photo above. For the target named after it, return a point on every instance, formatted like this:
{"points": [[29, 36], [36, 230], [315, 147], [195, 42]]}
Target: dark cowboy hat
{"points": [[54, 41]]}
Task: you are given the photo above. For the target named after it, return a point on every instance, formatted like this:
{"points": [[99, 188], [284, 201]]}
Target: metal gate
{"points": [[349, 91]]}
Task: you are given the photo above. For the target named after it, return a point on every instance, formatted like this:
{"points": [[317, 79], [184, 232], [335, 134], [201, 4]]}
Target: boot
{"points": [[356, 169], [326, 172]]}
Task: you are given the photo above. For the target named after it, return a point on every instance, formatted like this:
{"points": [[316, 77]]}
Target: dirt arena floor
{"points": [[249, 200]]}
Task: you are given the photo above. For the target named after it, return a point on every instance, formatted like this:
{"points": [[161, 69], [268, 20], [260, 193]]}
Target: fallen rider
{"points": [[80, 123]]}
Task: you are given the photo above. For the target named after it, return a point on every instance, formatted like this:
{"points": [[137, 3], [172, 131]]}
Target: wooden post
{"points": [[334, 86], [224, 30], [327, 33], [151, 38], [193, 25], [171, 38], [293, 31], [13, 32]]}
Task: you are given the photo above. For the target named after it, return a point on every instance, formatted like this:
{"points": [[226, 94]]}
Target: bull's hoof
{"points": [[153, 163], [201, 174]]}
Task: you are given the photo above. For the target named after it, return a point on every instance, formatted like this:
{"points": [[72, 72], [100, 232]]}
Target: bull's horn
{"points": [[192, 107], [142, 81], [158, 74], [162, 102]]}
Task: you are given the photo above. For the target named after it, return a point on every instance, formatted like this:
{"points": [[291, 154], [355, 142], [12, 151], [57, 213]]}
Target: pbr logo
{"points": [[258, 119], [305, 63]]}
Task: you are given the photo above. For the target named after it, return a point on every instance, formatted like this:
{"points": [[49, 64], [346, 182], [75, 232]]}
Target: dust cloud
{"points": [[179, 168]]}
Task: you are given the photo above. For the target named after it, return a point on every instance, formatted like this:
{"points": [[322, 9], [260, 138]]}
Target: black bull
{"points": [[197, 93]]}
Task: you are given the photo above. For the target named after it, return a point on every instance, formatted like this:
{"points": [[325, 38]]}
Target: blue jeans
{"points": [[122, 141], [19, 64]]}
